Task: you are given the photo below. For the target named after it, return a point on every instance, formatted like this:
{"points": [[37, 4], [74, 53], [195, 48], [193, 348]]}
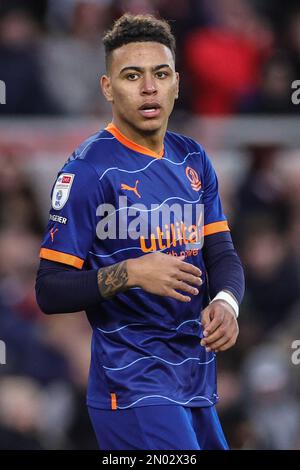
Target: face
{"points": [[142, 86]]}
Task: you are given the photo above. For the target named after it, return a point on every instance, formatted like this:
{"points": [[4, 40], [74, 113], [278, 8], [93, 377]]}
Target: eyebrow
{"points": [[141, 69]]}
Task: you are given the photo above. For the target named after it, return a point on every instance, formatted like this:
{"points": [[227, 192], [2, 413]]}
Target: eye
{"points": [[161, 74], [132, 76]]}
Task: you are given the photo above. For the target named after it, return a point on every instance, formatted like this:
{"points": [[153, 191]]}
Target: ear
{"points": [[105, 84], [177, 85]]}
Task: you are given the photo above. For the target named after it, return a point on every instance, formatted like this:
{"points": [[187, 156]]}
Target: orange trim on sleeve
{"points": [[130, 144], [216, 227], [113, 401], [60, 257]]}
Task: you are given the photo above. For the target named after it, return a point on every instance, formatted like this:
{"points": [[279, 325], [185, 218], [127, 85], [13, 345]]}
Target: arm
{"points": [[223, 267], [61, 288], [225, 274]]}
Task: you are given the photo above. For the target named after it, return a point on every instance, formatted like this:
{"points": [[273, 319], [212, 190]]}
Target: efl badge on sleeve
{"points": [[62, 190]]}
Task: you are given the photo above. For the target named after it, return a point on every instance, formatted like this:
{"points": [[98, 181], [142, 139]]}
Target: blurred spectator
{"points": [[273, 408], [25, 91], [137, 7], [184, 16], [50, 52], [224, 60], [18, 207], [33, 417], [73, 63], [36, 9], [273, 281], [294, 236], [18, 252], [240, 431], [20, 414], [263, 190], [292, 34], [71, 336], [273, 94]]}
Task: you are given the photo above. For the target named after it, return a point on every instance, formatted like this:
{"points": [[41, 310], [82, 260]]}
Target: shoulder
{"points": [[184, 142], [81, 170], [192, 150], [93, 152]]}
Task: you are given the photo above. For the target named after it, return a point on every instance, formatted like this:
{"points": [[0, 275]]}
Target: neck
{"points": [[153, 140]]}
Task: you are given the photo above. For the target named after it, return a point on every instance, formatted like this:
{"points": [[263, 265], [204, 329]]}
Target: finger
{"points": [[189, 278], [214, 324], [176, 295], [180, 285], [216, 336], [190, 268], [230, 333], [227, 345], [216, 345]]}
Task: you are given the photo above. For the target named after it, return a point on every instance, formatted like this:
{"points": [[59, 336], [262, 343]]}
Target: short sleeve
{"points": [[214, 218], [71, 229]]}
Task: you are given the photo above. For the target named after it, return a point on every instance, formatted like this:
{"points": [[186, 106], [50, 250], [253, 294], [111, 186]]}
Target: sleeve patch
{"points": [[62, 190]]}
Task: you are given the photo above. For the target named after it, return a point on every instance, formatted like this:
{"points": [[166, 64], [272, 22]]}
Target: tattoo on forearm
{"points": [[112, 279]]}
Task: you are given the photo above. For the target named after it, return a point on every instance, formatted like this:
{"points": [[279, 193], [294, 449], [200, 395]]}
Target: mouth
{"points": [[150, 110]]}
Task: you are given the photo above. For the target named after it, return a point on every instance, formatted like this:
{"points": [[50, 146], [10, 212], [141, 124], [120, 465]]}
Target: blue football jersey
{"points": [[108, 205]]}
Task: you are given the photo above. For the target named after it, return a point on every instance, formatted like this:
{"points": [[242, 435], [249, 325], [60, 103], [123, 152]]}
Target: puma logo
{"points": [[52, 233], [129, 188]]}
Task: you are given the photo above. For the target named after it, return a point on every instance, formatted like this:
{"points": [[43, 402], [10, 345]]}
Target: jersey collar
{"points": [[132, 145]]}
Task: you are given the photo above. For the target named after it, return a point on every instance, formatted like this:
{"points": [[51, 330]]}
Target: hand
{"points": [[164, 275], [220, 326]]}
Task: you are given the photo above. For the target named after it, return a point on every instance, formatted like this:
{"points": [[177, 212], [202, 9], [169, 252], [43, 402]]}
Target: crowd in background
{"points": [[235, 57]]}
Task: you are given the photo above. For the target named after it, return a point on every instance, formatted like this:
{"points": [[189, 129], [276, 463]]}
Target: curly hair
{"points": [[138, 28]]}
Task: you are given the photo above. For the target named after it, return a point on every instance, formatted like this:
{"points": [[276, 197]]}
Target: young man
{"points": [[143, 278]]}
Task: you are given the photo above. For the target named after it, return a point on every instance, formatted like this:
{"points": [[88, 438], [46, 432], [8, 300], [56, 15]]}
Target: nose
{"points": [[149, 85]]}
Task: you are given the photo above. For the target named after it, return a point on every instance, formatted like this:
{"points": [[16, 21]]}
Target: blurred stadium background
{"points": [[237, 59]]}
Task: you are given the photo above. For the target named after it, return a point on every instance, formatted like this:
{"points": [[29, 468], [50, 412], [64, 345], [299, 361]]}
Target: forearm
{"points": [[63, 289], [116, 278], [223, 265]]}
